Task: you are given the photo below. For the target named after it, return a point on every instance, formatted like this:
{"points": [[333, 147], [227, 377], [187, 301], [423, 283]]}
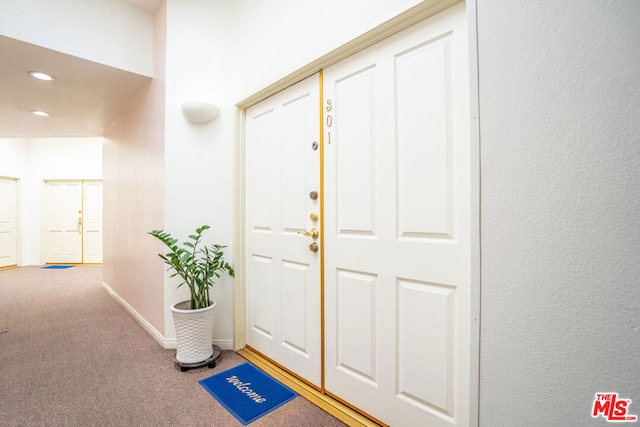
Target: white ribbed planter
{"points": [[194, 332]]}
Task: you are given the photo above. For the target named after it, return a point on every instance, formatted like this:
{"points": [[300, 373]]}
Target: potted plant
{"points": [[198, 266]]}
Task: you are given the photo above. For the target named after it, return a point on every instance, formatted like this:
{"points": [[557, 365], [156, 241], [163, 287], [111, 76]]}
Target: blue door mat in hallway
{"points": [[247, 392], [58, 267]]}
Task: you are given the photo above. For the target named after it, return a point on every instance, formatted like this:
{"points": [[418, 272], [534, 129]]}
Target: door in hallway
{"points": [[92, 222], [397, 226], [64, 222], [396, 326], [73, 221], [8, 222], [282, 264]]}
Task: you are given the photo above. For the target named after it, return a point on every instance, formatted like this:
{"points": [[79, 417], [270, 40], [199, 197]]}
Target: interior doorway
{"points": [[8, 222], [73, 221], [393, 227]]}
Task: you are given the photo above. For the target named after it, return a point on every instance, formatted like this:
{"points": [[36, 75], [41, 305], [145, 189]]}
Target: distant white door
{"points": [[397, 226], [8, 222], [92, 222], [283, 271], [64, 222], [73, 222]]}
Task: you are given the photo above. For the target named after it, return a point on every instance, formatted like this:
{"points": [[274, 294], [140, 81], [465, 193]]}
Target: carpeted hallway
{"points": [[71, 356]]}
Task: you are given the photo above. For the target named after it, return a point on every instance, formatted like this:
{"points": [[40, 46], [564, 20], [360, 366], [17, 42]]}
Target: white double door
{"points": [[387, 327], [73, 212]]}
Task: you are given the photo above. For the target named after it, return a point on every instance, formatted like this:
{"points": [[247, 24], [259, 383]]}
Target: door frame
{"points": [[43, 215], [18, 246], [392, 26]]}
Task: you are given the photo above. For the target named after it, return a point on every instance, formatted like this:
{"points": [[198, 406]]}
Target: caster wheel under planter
{"points": [[210, 362]]}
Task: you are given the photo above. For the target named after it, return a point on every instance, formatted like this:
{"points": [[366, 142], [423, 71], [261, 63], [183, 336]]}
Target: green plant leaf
{"points": [[195, 265]]}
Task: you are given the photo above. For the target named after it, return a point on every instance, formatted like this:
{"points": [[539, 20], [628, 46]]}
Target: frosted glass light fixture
{"points": [[199, 112], [41, 113]]}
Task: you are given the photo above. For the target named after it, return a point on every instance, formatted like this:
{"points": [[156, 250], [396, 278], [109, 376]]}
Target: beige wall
{"points": [[134, 196]]}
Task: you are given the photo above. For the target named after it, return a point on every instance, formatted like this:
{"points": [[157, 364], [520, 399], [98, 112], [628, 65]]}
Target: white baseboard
{"points": [[141, 320], [224, 344], [167, 343]]}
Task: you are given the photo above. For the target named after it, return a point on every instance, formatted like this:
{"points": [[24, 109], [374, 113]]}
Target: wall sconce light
{"points": [[199, 112]]}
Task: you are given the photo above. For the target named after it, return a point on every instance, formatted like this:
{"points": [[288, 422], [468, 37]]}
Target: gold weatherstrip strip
{"points": [[321, 118]]}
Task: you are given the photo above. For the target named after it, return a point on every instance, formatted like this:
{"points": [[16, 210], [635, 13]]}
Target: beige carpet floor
{"points": [[71, 356]]}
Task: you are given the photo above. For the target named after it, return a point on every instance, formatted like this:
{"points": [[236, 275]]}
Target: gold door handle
{"points": [[79, 225], [313, 233]]}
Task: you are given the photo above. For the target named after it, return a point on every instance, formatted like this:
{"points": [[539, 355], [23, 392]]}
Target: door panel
{"points": [[397, 226], [356, 193], [283, 275], [8, 222], [92, 222], [423, 79], [64, 222], [357, 332]]}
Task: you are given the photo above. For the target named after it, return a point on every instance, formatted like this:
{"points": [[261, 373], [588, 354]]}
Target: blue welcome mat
{"points": [[58, 267], [247, 392]]}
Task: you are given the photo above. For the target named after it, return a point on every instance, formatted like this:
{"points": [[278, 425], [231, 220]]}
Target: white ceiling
{"points": [[84, 100]]}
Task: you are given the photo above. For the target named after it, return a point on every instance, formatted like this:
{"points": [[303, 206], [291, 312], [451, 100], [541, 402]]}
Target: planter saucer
{"points": [[210, 362]]}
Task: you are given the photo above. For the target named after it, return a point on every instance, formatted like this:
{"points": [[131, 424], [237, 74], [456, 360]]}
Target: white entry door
{"points": [[283, 266], [64, 222], [73, 222], [92, 222], [397, 226], [8, 222]]}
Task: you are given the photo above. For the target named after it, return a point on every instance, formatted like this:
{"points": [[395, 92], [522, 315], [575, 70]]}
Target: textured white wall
{"points": [[66, 158], [198, 158], [14, 155], [221, 51], [560, 208], [275, 38]]}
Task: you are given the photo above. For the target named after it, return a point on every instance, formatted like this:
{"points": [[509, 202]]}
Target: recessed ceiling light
{"points": [[41, 76], [41, 113]]}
